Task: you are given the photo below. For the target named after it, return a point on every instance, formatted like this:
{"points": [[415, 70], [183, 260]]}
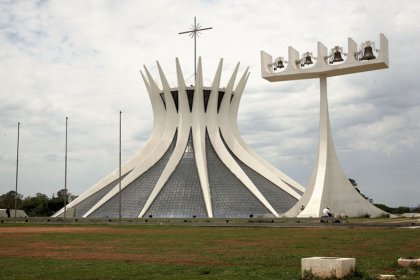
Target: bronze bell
{"points": [[337, 57], [368, 53], [308, 60], [279, 64]]}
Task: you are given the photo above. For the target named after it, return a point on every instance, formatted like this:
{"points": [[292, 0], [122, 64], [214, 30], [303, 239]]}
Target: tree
{"points": [[56, 203], [354, 184], [63, 193], [397, 210], [39, 205], [8, 200], [384, 207], [36, 206], [402, 209]]}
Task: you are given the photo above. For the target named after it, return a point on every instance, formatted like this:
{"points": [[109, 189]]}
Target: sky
{"points": [[81, 59]]}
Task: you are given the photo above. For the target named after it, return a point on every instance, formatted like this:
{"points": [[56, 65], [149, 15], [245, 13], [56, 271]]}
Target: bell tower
{"points": [[328, 185]]}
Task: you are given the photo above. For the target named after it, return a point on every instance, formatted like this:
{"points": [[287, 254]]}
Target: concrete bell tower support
{"points": [[329, 186]]}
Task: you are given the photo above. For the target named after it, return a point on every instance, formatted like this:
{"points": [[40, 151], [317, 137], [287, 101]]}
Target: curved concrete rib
{"points": [[235, 132], [184, 125], [169, 124], [169, 129], [199, 133], [130, 164], [222, 152], [226, 126]]}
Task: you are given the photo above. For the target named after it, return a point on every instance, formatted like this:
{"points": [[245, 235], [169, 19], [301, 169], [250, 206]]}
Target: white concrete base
{"points": [[406, 262], [325, 267], [386, 276]]}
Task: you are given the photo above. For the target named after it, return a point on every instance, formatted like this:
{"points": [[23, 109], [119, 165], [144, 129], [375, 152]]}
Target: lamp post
{"points": [[65, 176], [17, 169], [328, 186], [119, 178]]}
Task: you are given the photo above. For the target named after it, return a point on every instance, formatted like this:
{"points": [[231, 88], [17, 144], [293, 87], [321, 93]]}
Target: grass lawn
{"points": [[185, 252]]}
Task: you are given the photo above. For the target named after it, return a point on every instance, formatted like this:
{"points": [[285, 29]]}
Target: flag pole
{"points": [[119, 191], [65, 177], [17, 170]]}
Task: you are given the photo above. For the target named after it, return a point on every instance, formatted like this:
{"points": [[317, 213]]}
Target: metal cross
{"points": [[194, 32]]}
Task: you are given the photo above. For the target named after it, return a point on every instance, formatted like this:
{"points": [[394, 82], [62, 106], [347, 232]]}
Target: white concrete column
{"points": [[329, 186]]}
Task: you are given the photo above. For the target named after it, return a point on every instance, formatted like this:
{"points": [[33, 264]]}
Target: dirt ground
{"points": [[33, 242], [29, 230]]}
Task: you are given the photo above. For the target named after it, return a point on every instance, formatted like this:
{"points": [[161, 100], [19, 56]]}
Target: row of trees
{"points": [[391, 210], [398, 210], [39, 205]]}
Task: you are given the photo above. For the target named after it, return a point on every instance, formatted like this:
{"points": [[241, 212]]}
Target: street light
{"points": [[17, 168]]}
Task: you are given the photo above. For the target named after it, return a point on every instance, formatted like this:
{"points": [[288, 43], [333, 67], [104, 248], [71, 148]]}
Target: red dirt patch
{"points": [[32, 242], [57, 229]]}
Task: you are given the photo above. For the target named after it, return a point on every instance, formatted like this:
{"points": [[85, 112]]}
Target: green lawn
{"points": [[185, 252]]}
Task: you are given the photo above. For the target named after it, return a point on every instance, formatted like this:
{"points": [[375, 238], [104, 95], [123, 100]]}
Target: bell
{"points": [[337, 57], [368, 53], [308, 60], [279, 64]]}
